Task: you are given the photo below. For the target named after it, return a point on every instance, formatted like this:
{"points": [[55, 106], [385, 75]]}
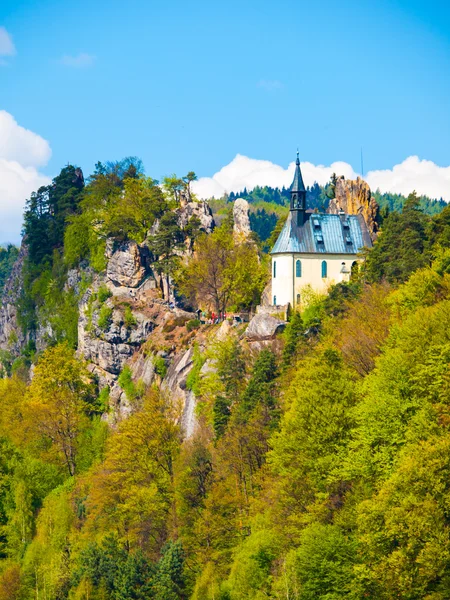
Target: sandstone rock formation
{"points": [[266, 296], [354, 198], [199, 209], [127, 264], [134, 326], [11, 335], [264, 327], [241, 219]]}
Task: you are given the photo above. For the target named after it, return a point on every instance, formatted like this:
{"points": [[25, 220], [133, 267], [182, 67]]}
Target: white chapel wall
{"points": [[286, 285]]}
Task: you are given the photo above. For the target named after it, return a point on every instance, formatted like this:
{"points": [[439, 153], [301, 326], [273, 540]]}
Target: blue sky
{"points": [[189, 85]]}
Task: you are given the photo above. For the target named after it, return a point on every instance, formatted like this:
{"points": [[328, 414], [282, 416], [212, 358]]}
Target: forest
{"points": [[320, 465]]}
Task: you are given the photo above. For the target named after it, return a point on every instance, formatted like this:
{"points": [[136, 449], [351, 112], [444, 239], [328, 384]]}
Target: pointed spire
{"points": [[297, 184]]}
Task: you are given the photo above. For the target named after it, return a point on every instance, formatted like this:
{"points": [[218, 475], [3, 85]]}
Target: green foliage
{"points": [[103, 399], [322, 566], [193, 382], [169, 577], [318, 468], [160, 366], [129, 318], [105, 317], [193, 324], [122, 203], [108, 568], [231, 372], [133, 390], [8, 257], [260, 391], [103, 293], [402, 246], [292, 337], [223, 273]]}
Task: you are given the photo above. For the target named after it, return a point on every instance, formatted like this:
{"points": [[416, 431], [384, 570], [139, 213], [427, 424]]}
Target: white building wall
{"points": [[286, 285]]}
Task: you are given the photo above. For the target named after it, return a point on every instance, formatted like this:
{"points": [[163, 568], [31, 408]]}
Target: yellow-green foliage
{"points": [[325, 479], [105, 316]]}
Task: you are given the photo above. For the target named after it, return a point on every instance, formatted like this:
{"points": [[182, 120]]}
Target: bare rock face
{"points": [[266, 296], [354, 198], [175, 384], [264, 327], [11, 335], [199, 209], [241, 219], [127, 264]]}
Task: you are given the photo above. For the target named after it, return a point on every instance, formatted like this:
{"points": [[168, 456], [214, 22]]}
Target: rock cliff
{"points": [[241, 228], [12, 338], [354, 198]]}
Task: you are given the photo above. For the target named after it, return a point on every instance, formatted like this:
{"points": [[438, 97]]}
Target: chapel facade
{"points": [[314, 250]]}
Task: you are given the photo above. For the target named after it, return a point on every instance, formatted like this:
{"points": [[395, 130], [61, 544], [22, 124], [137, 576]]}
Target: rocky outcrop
{"points": [[127, 263], [181, 397], [12, 338], [266, 296], [241, 228], [199, 209], [264, 327], [353, 197]]}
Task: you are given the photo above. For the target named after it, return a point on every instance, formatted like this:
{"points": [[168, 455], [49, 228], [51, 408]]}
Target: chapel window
{"points": [[274, 269], [324, 269], [298, 269]]}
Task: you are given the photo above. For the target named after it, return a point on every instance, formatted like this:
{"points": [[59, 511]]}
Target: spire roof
{"points": [[297, 184]]}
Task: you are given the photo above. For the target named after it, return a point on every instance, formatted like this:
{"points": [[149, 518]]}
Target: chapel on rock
{"points": [[314, 250]]}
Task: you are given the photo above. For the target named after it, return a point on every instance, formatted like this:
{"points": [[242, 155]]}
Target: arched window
{"points": [[274, 269], [298, 298], [298, 269], [324, 268], [355, 270], [274, 300]]}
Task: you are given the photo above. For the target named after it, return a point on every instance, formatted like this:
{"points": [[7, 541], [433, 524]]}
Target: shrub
{"points": [[104, 317], [129, 318], [131, 389], [160, 366], [103, 293], [103, 399], [193, 324]]}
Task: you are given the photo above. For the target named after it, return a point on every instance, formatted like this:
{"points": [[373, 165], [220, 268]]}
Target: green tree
{"points": [[169, 577], [401, 246], [222, 273], [8, 257], [260, 391], [166, 245], [59, 401]]}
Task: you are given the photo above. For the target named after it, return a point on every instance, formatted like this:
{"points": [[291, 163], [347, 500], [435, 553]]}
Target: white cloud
{"points": [[20, 144], [270, 85], [7, 47], [21, 152], [247, 172], [422, 175], [80, 61]]}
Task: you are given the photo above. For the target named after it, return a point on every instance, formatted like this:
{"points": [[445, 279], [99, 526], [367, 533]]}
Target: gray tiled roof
{"points": [[324, 234]]}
